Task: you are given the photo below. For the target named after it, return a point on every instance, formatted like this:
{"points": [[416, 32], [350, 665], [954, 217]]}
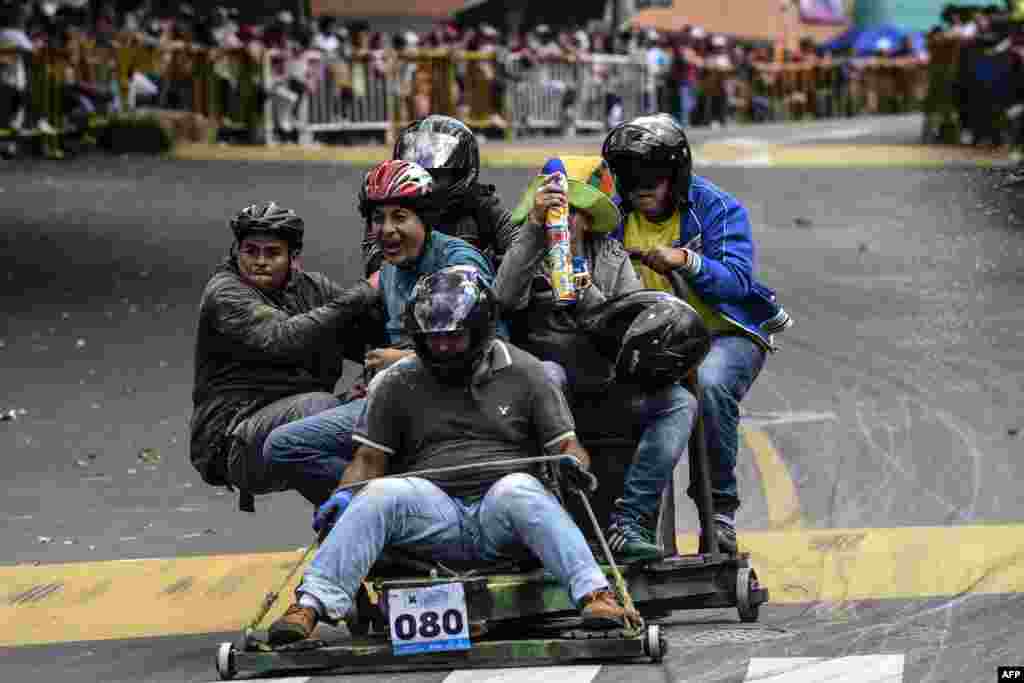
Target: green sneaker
{"points": [[632, 542]]}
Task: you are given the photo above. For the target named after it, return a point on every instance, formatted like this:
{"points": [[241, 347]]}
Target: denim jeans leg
{"points": [[519, 511], [725, 376], [408, 512], [667, 416], [247, 467], [311, 454]]}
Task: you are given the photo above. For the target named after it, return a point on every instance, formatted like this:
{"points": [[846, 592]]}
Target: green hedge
{"points": [[126, 133]]}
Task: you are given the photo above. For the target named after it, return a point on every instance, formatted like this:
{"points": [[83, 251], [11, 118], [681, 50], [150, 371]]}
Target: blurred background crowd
{"points": [[278, 73]]}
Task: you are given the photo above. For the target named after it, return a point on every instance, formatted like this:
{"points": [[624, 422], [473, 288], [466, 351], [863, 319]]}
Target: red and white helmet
{"points": [[396, 182]]}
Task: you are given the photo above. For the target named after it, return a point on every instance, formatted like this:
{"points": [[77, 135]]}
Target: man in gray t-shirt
{"points": [[465, 398], [509, 410]]}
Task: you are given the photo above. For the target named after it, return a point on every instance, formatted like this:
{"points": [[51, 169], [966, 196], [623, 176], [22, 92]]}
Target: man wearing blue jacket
{"points": [[677, 221]]}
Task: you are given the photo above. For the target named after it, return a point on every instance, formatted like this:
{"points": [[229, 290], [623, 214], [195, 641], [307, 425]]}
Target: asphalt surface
{"points": [[894, 403]]}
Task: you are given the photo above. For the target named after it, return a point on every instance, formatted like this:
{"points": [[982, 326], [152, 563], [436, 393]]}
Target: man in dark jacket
{"points": [[269, 350]]}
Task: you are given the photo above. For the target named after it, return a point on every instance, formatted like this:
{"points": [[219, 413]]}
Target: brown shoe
{"points": [[296, 624], [602, 611], [477, 629]]}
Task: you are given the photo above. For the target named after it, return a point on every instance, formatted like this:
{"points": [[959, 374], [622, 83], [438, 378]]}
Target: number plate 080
{"points": [[428, 619]]}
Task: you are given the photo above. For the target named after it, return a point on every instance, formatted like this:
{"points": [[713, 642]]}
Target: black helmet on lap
{"points": [[664, 343], [652, 337], [454, 299], [444, 146], [606, 324], [645, 147], [270, 219]]}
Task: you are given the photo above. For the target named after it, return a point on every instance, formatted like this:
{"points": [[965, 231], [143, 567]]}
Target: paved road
{"points": [[880, 468]]}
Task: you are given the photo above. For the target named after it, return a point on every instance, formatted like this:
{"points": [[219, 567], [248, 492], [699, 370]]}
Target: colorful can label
{"points": [[559, 256]]}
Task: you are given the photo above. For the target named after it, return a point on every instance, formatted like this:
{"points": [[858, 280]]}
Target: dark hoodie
{"points": [[254, 347]]}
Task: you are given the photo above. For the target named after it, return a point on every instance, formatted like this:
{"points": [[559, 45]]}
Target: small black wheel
{"points": [[357, 625], [654, 644], [226, 661], [746, 582]]}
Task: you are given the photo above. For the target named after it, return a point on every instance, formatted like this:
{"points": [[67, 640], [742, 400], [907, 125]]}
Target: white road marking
{"points": [[743, 142], [840, 134], [290, 679], [788, 417], [529, 674], [855, 669], [747, 162]]}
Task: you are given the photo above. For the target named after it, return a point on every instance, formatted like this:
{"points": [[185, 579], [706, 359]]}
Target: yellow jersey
{"points": [[643, 235]]}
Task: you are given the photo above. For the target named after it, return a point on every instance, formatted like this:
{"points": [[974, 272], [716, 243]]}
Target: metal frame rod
{"points": [[701, 477], [621, 589]]}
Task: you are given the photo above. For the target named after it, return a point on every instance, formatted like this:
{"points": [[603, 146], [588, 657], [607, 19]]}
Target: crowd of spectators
{"points": [[700, 77], [986, 46]]}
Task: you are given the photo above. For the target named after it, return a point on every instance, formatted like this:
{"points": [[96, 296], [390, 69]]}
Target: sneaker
{"points": [[632, 542], [296, 624], [601, 611], [725, 534]]}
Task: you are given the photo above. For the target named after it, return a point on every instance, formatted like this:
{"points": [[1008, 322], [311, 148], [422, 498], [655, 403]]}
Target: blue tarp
{"points": [[869, 40]]}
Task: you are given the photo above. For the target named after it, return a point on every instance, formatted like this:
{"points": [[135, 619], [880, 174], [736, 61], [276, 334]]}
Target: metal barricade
{"points": [[540, 97], [611, 86], [328, 94], [569, 94]]}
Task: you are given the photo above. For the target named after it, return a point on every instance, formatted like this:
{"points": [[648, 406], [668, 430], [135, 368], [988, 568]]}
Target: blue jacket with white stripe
{"points": [[716, 227]]}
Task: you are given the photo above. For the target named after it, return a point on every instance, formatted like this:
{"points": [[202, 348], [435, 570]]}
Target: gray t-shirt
{"points": [[510, 410]]}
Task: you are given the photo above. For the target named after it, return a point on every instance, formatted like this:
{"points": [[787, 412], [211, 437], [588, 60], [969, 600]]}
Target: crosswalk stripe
{"points": [[853, 669], [528, 674]]}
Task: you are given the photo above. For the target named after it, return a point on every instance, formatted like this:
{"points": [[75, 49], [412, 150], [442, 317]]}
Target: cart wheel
{"points": [[226, 661], [357, 625], [654, 644], [746, 579]]}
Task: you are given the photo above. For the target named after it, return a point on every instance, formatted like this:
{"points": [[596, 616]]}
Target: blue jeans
{"points": [[725, 376], [517, 513], [666, 417], [311, 454], [247, 464]]}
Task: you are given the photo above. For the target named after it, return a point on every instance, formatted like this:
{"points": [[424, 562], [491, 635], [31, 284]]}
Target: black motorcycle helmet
{"points": [[269, 218], [447, 148], [664, 343], [453, 299], [606, 324], [652, 140]]}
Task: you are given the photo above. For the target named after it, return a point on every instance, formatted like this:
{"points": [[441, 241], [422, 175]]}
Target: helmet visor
{"points": [[443, 304], [431, 150], [635, 174]]}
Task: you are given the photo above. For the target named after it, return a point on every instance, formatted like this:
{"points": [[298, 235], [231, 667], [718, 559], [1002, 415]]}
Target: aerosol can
{"points": [[559, 257]]}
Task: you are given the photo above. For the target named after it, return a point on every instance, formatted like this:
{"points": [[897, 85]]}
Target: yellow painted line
{"points": [[779, 489], [494, 155], [139, 598], [158, 597], [834, 155]]}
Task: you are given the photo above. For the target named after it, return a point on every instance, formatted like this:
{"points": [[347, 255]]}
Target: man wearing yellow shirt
{"points": [[677, 221]]}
